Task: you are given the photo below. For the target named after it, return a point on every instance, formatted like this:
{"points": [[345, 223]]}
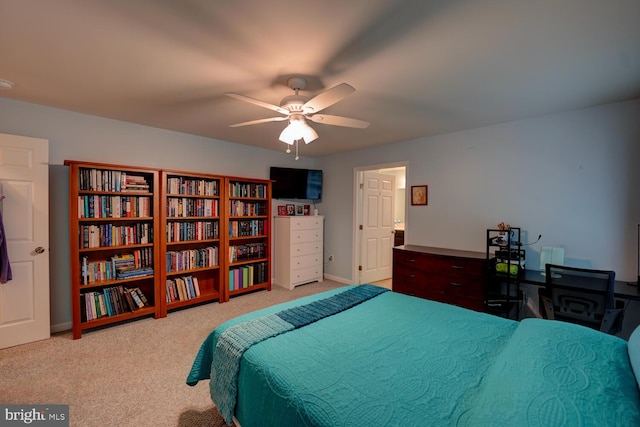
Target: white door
{"points": [[24, 181], [377, 226]]}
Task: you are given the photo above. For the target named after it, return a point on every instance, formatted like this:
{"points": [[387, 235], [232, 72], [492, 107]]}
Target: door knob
{"points": [[39, 250]]}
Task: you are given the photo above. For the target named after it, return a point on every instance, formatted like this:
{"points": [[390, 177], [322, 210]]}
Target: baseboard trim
{"points": [[61, 327], [338, 279]]}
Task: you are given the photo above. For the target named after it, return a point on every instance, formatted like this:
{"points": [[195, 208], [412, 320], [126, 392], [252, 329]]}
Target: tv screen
{"points": [[290, 183]]}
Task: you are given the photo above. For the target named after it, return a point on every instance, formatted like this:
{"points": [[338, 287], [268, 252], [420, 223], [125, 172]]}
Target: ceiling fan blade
{"points": [[327, 98], [258, 102], [257, 122], [327, 119]]}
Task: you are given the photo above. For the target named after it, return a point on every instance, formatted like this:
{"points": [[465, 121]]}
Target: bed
{"points": [[385, 358]]}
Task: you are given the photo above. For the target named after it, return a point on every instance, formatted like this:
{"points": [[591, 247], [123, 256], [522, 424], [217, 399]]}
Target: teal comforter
{"points": [[400, 360]]}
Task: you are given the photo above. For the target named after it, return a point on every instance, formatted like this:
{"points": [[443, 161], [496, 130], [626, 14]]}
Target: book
{"points": [[136, 298], [142, 297]]}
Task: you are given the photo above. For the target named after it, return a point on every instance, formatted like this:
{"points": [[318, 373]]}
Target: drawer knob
{"points": [[411, 260], [455, 284], [457, 267], [413, 276]]}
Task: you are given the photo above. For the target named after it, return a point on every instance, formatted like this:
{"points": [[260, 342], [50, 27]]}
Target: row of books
{"points": [[242, 208], [138, 263], [192, 258], [111, 302], [249, 227], [194, 187], [182, 207], [182, 288], [241, 189], [199, 230], [110, 180], [247, 252], [105, 235], [247, 276], [96, 206]]}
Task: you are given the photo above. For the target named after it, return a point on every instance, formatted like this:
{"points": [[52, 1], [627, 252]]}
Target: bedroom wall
{"points": [[572, 177], [569, 177], [84, 137]]}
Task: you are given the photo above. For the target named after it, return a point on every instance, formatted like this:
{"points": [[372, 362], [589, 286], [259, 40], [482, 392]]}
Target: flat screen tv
{"points": [[290, 183]]}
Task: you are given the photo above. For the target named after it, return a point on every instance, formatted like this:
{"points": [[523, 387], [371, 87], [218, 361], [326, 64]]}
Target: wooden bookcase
{"points": [[181, 238], [113, 229], [190, 228], [248, 235]]}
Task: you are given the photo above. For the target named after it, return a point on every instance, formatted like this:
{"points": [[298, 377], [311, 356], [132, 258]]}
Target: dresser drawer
{"points": [[306, 261], [408, 275], [309, 223], [306, 248], [460, 267], [306, 275], [439, 264], [457, 286], [301, 236]]}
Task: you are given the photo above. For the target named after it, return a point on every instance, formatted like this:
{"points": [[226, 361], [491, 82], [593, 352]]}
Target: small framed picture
{"points": [[299, 210], [419, 195], [291, 209], [282, 210], [307, 209]]}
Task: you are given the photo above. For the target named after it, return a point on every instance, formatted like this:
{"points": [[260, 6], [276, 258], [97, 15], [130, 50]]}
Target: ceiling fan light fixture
{"points": [[288, 135], [298, 129], [309, 134]]}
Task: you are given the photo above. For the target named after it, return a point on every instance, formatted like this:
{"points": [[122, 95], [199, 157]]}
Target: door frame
{"points": [[358, 213]]}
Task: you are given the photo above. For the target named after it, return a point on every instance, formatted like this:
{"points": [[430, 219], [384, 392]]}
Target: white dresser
{"points": [[298, 253]]}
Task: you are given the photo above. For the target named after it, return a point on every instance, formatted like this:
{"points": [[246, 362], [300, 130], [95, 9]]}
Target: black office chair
{"points": [[582, 296]]}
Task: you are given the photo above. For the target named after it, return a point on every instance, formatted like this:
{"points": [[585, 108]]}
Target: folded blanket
{"points": [[234, 341]]}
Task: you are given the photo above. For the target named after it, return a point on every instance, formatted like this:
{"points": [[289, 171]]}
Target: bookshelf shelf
{"points": [[103, 283], [192, 270], [105, 321]]}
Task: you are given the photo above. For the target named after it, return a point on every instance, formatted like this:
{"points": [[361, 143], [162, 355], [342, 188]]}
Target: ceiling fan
{"points": [[297, 110]]}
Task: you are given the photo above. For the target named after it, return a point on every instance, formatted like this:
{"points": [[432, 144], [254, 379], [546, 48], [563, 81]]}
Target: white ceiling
{"points": [[419, 67]]}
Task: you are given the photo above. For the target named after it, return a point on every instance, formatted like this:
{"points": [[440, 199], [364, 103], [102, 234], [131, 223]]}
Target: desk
{"points": [[622, 290]]}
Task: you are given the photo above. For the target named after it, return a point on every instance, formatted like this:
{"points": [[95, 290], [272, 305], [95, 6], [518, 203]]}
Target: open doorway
{"points": [[379, 220]]}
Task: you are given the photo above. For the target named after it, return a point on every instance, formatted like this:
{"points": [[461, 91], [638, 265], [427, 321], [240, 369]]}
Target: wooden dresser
{"points": [[445, 275]]}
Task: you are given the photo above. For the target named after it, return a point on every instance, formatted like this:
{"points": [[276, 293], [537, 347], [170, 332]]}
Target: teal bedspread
{"points": [[400, 360], [234, 341]]}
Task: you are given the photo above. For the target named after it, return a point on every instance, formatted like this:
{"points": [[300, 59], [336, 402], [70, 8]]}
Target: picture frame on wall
{"points": [[291, 209], [419, 195], [282, 210]]}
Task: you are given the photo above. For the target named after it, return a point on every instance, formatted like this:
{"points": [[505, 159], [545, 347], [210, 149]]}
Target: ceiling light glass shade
{"points": [[298, 129]]}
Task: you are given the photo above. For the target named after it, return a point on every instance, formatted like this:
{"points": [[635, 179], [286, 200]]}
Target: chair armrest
{"points": [[546, 307], [612, 321]]}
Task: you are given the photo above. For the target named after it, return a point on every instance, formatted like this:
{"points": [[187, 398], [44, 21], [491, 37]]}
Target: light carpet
{"points": [[131, 374]]}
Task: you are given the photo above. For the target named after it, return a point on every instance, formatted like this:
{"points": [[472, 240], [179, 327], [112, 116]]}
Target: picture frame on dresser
{"points": [[282, 210]]}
